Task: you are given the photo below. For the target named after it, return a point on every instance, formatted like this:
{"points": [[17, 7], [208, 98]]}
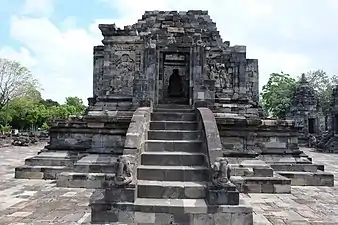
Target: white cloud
{"points": [[61, 60], [290, 63], [236, 20], [282, 38], [38, 7], [22, 55]]}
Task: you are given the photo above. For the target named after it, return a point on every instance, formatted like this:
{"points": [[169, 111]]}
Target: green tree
{"points": [[15, 81], [77, 103], [323, 84], [276, 94], [25, 113], [49, 103], [32, 112], [45, 126], [19, 109]]}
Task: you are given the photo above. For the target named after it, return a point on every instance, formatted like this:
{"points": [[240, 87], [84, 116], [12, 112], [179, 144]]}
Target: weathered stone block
{"points": [[222, 196], [282, 189]]}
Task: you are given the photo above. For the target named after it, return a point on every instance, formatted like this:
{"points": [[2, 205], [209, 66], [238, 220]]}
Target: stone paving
{"points": [[306, 205], [39, 202]]}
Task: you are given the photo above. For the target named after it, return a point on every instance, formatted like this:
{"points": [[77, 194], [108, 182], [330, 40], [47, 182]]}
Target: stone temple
{"points": [[329, 141], [306, 111], [173, 132]]}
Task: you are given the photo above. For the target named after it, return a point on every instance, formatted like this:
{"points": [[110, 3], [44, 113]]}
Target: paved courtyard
{"points": [[40, 202]]}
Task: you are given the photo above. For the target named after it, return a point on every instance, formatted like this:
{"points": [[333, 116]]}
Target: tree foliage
{"points": [[26, 113], [21, 104], [276, 94], [15, 81], [323, 84], [77, 103]]}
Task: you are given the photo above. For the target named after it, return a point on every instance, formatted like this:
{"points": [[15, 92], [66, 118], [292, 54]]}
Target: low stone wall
{"points": [[216, 195], [229, 215], [137, 131], [91, 134], [136, 135], [253, 136], [133, 147], [210, 135]]}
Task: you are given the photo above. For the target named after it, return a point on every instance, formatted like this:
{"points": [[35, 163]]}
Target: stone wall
{"points": [[329, 141], [132, 63], [250, 137], [86, 136], [305, 109], [122, 62], [252, 79], [98, 60]]}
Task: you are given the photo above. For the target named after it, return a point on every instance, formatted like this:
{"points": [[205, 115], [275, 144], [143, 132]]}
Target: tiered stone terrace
{"points": [[133, 133], [41, 202]]}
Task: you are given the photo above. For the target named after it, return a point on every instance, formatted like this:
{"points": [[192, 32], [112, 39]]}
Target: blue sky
{"points": [[54, 38]]}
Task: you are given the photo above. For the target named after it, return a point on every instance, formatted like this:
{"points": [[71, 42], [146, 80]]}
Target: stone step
{"points": [[94, 168], [173, 158], [173, 135], [172, 106], [173, 125], [251, 172], [96, 163], [173, 173], [170, 205], [294, 167], [277, 184], [171, 189], [319, 178], [169, 211], [173, 145], [59, 154], [173, 116], [84, 180], [44, 161], [39, 172], [179, 110]]}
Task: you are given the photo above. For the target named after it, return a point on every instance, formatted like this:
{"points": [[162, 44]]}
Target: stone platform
{"points": [[172, 211], [41, 202]]}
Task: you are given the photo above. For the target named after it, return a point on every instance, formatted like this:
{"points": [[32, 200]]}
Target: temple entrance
{"points": [[173, 85], [336, 124], [312, 125]]}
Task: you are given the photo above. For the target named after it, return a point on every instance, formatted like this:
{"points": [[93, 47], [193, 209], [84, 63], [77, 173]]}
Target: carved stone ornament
{"points": [[221, 172], [171, 39], [124, 172], [123, 75]]}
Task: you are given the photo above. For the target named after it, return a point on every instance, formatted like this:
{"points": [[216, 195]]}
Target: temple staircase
{"points": [[173, 165], [172, 174], [172, 178]]}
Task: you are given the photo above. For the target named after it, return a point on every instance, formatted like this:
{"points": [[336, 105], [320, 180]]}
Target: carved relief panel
{"points": [[221, 73], [98, 74], [124, 63], [123, 73]]}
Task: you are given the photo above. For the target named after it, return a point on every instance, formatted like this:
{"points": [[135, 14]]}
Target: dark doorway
{"points": [[336, 124], [312, 125], [326, 122], [175, 88], [174, 76]]}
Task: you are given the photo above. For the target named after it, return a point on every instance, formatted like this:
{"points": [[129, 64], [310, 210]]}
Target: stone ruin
{"points": [[329, 140], [173, 132], [306, 111]]}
